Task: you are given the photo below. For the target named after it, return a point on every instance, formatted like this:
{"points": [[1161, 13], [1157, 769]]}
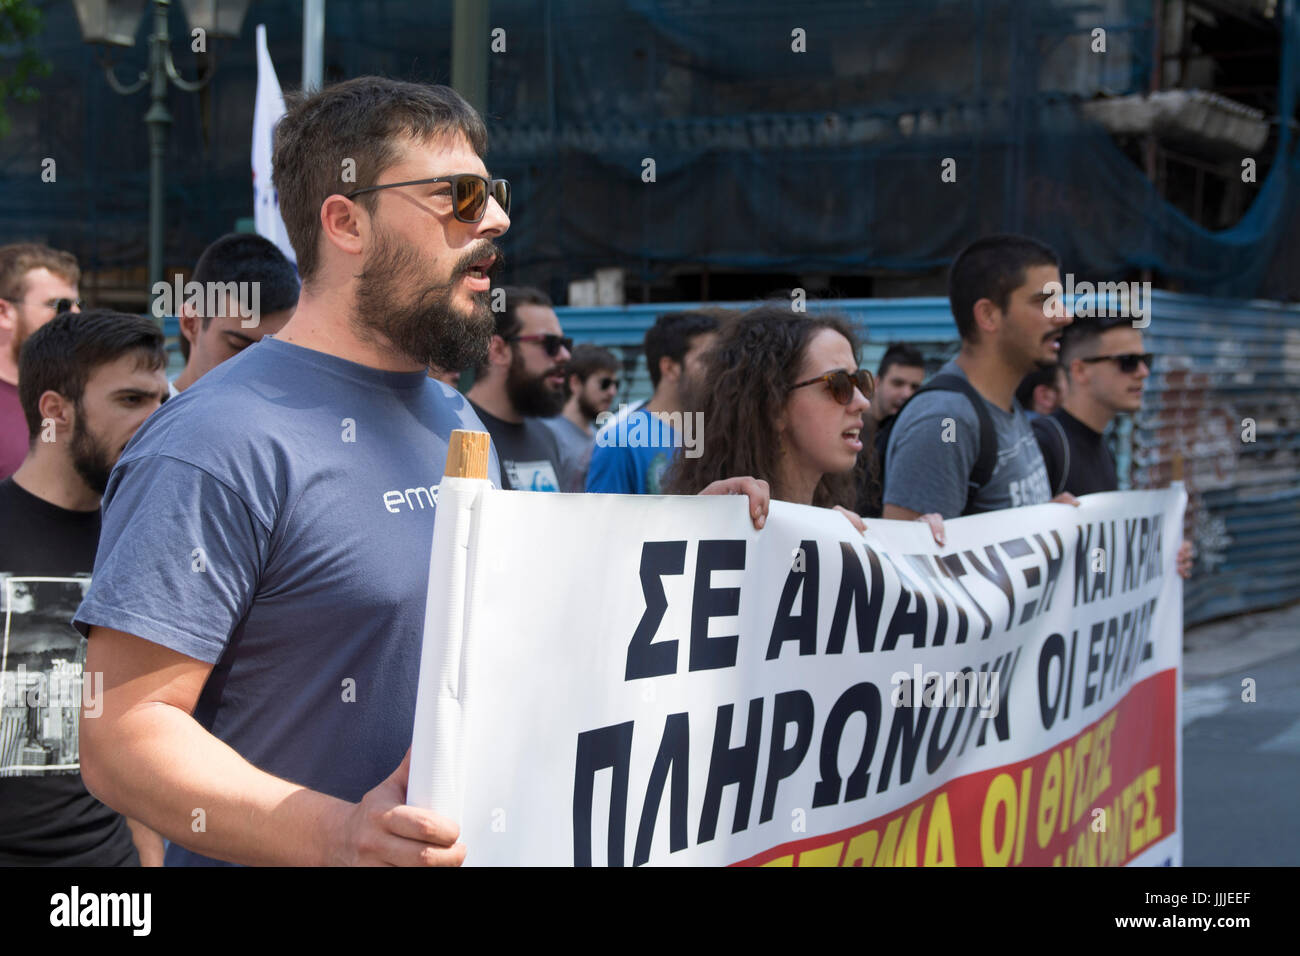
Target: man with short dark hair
{"points": [[36, 284], [1105, 371], [266, 536], [1039, 393], [87, 382], [633, 451], [254, 288], [591, 384], [901, 372], [962, 444], [519, 385]]}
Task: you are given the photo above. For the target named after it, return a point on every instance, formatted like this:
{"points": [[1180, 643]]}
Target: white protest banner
{"points": [[647, 680]]}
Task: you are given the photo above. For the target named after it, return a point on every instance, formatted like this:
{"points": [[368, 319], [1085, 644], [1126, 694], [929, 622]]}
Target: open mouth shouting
{"points": [[853, 437]]}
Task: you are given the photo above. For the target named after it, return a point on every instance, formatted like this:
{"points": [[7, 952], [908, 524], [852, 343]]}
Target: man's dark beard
{"points": [[531, 396], [90, 459], [589, 411], [424, 327]]}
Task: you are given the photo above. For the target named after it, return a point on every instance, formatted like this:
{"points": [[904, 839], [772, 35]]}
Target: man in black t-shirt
{"points": [[1105, 372], [86, 383], [521, 384]]}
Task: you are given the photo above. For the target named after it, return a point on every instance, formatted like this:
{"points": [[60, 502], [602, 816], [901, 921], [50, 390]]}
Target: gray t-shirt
{"points": [[575, 451], [935, 443], [275, 521]]}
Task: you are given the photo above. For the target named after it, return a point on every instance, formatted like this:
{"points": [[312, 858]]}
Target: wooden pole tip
{"points": [[467, 454]]}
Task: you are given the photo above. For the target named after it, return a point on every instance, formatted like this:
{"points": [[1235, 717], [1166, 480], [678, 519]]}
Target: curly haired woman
{"points": [[784, 401]]}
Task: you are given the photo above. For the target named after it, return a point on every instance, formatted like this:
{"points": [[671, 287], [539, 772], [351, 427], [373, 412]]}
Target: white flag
{"points": [[267, 111]]}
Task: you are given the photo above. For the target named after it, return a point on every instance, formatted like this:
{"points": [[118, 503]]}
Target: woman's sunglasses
{"points": [[843, 383], [552, 343], [469, 193], [1127, 363]]}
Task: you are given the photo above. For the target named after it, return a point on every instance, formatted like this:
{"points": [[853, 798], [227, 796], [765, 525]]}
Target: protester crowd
{"points": [[245, 537]]}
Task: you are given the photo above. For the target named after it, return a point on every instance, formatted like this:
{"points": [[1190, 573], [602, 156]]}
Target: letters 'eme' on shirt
{"points": [[929, 458], [275, 521]]}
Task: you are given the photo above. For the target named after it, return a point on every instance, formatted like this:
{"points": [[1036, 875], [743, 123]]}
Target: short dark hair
{"points": [[672, 333], [992, 268], [1079, 336], [586, 360], [506, 322], [247, 257], [1039, 376], [360, 120], [900, 353], [62, 354]]}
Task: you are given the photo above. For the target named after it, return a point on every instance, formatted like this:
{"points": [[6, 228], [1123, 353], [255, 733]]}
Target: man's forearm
{"points": [[148, 844], [156, 765]]}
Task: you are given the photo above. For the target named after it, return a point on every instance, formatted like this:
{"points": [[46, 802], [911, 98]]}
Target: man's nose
{"points": [[495, 221]]}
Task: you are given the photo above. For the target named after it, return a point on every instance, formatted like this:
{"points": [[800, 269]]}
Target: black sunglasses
{"points": [[606, 383], [843, 383], [63, 305], [552, 343], [469, 193], [1127, 363]]}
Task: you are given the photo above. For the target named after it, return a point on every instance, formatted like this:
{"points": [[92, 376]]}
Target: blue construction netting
{"points": [[825, 161]]}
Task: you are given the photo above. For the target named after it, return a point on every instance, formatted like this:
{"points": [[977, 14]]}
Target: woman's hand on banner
{"points": [[1065, 498], [933, 519], [1186, 555], [382, 830], [856, 520], [756, 489]]}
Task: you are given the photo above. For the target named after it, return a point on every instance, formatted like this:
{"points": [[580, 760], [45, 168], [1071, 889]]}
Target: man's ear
{"points": [[8, 319], [670, 370], [342, 225], [190, 324], [1078, 372], [499, 352], [55, 407], [988, 317]]}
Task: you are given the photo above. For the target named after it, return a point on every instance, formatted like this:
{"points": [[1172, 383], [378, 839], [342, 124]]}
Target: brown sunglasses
{"points": [[843, 383]]}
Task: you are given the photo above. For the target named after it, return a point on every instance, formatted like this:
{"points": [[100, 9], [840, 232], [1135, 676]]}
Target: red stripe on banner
{"points": [[1097, 799]]}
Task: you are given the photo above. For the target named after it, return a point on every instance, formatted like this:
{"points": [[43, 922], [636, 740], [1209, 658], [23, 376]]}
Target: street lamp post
{"points": [[112, 23]]}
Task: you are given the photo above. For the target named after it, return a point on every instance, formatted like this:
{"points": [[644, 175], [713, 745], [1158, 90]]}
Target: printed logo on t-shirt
{"points": [[531, 475], [41, 685], [654, 475]]}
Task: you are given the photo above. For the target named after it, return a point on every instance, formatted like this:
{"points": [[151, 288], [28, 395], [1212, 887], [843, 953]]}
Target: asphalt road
{"points": [[1241, 760]]}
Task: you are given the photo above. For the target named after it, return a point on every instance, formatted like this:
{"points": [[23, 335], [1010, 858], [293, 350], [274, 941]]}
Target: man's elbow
{"points": [[97, 764]]}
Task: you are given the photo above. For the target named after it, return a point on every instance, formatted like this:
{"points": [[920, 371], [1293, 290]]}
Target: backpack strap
{"points": [[986, 459], [1053, 427]]}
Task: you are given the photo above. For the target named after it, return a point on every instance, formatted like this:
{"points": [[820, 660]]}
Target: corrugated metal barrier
{"points": [[1222, 411]]}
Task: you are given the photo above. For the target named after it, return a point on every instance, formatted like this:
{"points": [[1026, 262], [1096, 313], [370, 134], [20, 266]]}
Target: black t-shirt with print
{"points": [[529, 454], [47, 817]]}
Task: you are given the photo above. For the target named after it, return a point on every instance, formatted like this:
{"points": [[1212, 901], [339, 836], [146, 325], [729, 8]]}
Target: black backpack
{"points": [[985, 461]]}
